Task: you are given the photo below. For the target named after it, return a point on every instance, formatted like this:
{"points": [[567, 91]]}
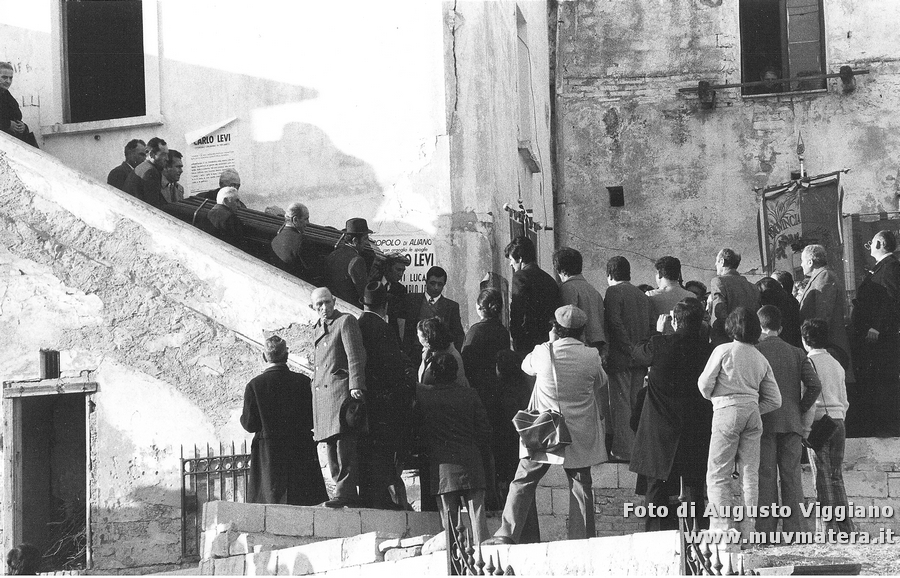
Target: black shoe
{"points": [[498, 541]]}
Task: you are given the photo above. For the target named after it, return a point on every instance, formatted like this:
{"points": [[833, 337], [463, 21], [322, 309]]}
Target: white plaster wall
{"points": [[166, 316]]}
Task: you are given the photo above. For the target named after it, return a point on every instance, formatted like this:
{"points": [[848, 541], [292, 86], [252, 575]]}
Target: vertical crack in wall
{"points": [[454, 21]]}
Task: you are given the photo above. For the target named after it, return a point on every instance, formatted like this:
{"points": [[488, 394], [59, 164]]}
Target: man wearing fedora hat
{"points": [[568, 379], [389, 392], [345, 268]]}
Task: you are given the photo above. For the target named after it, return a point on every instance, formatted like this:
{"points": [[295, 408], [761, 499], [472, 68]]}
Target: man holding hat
{"points": [[340, 362], [345, 269], [568, 379], [389, 401], [284, 465]]}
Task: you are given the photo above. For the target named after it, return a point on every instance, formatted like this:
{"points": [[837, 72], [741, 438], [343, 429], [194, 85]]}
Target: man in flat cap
{"points": [[340, 364], [284, 464], [390, 380], [345, 269], [568, 379]]}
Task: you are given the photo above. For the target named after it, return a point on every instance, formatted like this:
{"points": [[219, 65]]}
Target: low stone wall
{"points": [[231, 529]]}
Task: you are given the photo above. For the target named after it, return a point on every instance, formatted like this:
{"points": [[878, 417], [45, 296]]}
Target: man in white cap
{"points": [[568, 379]]}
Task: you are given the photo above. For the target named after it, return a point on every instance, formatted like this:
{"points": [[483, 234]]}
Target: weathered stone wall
{"points": [[689, 174], [169, 319]]}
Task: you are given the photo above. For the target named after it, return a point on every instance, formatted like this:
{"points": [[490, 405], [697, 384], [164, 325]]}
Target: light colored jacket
{"points": [[575, 393], [738, 374], [578, 292]]}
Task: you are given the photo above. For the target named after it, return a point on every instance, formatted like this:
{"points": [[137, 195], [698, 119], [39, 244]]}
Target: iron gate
{"points": [[207, 477]]}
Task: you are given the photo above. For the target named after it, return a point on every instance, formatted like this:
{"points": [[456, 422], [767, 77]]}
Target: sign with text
{"points": [[419, 249], [210, 151]]}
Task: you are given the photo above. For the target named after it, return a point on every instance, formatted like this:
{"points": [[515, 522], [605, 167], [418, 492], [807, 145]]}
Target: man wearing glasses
{"points": [[876, 327]]}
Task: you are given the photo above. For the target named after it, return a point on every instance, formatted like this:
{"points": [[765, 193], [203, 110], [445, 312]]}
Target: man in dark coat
{"points": [[672, 440], [533, 297], [728, 291], [10, 113], [135, 154], [340, 363], [284, 465], [389, 393], [346, 273], [287, 246], [145, 182], [876, 327], [628, 320], [393, 268], [223, 220], [432, 303]]}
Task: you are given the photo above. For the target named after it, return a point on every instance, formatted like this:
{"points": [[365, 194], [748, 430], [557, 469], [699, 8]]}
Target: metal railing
{"points": [[462, 557], [206, 477]]}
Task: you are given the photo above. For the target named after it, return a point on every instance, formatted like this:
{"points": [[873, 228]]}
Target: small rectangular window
{"points": [[104, 60], [782, 39]]}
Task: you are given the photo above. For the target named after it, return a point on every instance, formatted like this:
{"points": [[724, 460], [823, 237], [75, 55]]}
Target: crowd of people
{"points": [[691, 387]]}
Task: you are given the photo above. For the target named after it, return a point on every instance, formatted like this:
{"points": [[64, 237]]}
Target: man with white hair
{"points": [[340, 364], [287, 246], [223, 219], [824, 298]]}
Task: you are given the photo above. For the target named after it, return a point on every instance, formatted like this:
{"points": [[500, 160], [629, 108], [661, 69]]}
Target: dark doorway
{"points": [[54, 482]]}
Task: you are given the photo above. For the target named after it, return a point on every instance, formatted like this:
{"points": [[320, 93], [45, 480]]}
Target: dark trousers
{"points": [[661, 492], [779, 459], [343, 466], [520, 501]]}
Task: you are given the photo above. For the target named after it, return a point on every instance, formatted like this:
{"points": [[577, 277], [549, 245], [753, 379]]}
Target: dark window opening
{"points": [[104, 44], [782, 39]]}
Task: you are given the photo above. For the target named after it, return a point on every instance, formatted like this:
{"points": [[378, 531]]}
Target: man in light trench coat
{"points": [[568, 378]]}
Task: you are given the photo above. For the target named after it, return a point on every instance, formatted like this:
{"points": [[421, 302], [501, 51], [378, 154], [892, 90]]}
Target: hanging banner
{"points": [[211, 150], [419, 249], [799, 213]]}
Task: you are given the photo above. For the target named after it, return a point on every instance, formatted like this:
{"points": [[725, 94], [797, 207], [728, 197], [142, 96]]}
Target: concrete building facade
{"points": [[689, 173]]}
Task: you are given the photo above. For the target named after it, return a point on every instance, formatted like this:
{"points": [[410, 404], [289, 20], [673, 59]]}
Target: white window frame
{"points": [[55, 120]]}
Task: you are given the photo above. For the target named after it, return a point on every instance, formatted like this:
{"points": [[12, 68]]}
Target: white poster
{"points": [[419, 249], [210, 151]]}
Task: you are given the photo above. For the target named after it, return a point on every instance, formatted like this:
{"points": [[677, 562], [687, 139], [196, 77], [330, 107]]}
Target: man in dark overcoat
{"points": [[340, 364], [346, 272], [284, 465], [389, 395], [287, 246], [876, 328], [533, 297]]}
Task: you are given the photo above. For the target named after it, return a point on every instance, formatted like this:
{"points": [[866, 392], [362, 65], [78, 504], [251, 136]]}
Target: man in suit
{"points": [[10, 113], [340, 363], [432, 303], [223, 220], [284, 465], [823, 298], [533, 297], [287, 246], [135, 154], [728, 291], [171, 190], [345, 269], [628, 320], [393, 268], [575, 290], [145, 183], [781, 445], [388, 401], [876, 327]]}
